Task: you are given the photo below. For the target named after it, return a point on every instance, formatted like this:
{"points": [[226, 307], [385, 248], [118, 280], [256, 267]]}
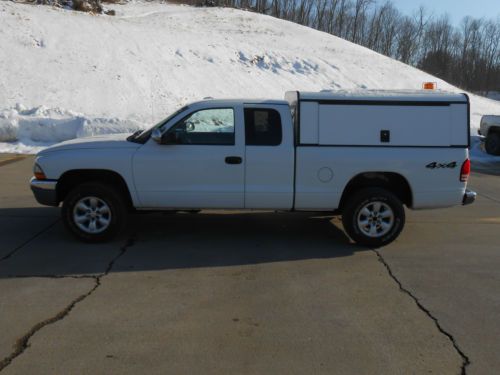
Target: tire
{"points": [[382, 226], [97, 203], [492, 144]]}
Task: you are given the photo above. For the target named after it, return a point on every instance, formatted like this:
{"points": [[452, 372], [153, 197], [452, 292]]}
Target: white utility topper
{"points": [[362, 155]]}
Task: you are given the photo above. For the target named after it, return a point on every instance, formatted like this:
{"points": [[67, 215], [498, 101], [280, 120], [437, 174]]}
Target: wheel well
{"points": [[72, 178], [393, 182]]}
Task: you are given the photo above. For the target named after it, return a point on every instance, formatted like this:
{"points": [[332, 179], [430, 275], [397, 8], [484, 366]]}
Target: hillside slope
{"points": [[66, 74]]}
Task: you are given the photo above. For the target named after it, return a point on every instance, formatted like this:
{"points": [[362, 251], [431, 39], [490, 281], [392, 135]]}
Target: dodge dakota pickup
{"points": [[361, 155]]}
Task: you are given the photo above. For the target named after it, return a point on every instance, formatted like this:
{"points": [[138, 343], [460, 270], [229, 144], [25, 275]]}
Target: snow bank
{"points": [[115, 74], [41, 126]]}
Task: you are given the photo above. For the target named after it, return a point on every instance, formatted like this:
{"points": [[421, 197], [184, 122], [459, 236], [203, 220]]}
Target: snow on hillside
{"points": [[67, 74]]}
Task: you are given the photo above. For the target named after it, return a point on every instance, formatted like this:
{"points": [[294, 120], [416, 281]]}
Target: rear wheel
{"points": [[492, 144], [94, 212], [373, 217]]}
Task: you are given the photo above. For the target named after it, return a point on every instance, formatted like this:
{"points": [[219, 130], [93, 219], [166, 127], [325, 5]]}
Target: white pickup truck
{"points": [[362, 155]]}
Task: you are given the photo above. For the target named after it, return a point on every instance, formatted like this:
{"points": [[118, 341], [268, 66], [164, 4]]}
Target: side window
{"points": [[205, 127], [262, 127]]}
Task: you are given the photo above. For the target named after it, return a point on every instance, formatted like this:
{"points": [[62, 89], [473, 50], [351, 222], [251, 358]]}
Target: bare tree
{"points": [[358, 19]]}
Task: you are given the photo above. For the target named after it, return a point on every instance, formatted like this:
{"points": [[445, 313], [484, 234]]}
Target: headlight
{"points": [[38, 172]]}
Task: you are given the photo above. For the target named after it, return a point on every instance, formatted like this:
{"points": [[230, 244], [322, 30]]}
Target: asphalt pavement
{"points": [[248, 293]]}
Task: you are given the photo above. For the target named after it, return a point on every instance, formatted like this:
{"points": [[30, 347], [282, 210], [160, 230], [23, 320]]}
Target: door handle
{"points": [[233, 160]]}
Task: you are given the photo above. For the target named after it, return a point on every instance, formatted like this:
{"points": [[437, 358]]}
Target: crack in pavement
{"points": [[488, 197], [16, 249], [465, 359], [23, 343]]}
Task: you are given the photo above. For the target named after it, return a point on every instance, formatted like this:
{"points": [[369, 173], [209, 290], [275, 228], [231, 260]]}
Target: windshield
{"points": [[141, 136]]}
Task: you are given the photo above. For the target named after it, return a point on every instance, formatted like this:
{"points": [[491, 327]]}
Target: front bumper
{"points": [[469, 197], [44, 191]]}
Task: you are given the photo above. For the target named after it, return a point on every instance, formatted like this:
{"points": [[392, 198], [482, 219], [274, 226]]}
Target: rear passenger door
{"points": [[269, 158]]}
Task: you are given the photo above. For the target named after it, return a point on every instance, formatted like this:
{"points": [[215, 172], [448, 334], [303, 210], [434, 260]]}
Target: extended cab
{"points": [[363, 155]]}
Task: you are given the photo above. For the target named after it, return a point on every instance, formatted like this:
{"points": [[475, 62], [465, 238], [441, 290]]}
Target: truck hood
{"points": [[97, 142]]}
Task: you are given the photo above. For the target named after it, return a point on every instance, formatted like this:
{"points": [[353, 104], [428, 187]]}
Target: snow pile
{"points": [[23, 129], [152, 58], [480, 157]]}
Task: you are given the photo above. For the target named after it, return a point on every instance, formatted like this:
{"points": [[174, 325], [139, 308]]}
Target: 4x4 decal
{"points": [[435, 165]]}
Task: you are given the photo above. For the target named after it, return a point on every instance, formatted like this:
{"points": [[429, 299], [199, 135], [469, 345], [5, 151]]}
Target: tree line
{"points": [[467, 55]]}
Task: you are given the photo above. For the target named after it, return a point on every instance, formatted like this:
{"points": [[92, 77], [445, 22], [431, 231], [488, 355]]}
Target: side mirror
{"points": [[190, 127], [157, 136]]}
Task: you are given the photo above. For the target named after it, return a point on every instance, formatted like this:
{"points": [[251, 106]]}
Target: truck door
{"points": [[202, 168], [269, 157]]}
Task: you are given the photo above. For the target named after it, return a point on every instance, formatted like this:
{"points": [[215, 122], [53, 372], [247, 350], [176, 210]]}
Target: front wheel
{"points": [[373, 217], [94, 212]]}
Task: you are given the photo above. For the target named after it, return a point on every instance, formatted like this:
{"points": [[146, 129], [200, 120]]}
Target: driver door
{"points": [[200, 166]]}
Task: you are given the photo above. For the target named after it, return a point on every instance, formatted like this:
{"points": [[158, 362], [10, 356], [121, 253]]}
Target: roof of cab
{"points": [[223, 102], [382, 95]]}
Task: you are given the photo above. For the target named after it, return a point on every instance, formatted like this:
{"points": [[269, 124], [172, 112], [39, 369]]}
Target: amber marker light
{"points": [[429, 85], [38, 172]]}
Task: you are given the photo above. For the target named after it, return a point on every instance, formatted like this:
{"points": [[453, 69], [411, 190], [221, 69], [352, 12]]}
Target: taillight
{"points": [[465, 171]]}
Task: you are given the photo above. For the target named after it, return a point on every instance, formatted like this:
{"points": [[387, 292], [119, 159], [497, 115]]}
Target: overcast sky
{"points": [[457, 9]]}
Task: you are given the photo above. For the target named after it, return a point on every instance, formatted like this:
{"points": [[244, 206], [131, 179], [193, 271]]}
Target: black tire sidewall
{"points": [[364, 197], [108, 195], [492, 144]]}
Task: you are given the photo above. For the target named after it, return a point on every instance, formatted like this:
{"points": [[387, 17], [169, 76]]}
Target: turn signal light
{"points": [[38, 172], [465, 171]]}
